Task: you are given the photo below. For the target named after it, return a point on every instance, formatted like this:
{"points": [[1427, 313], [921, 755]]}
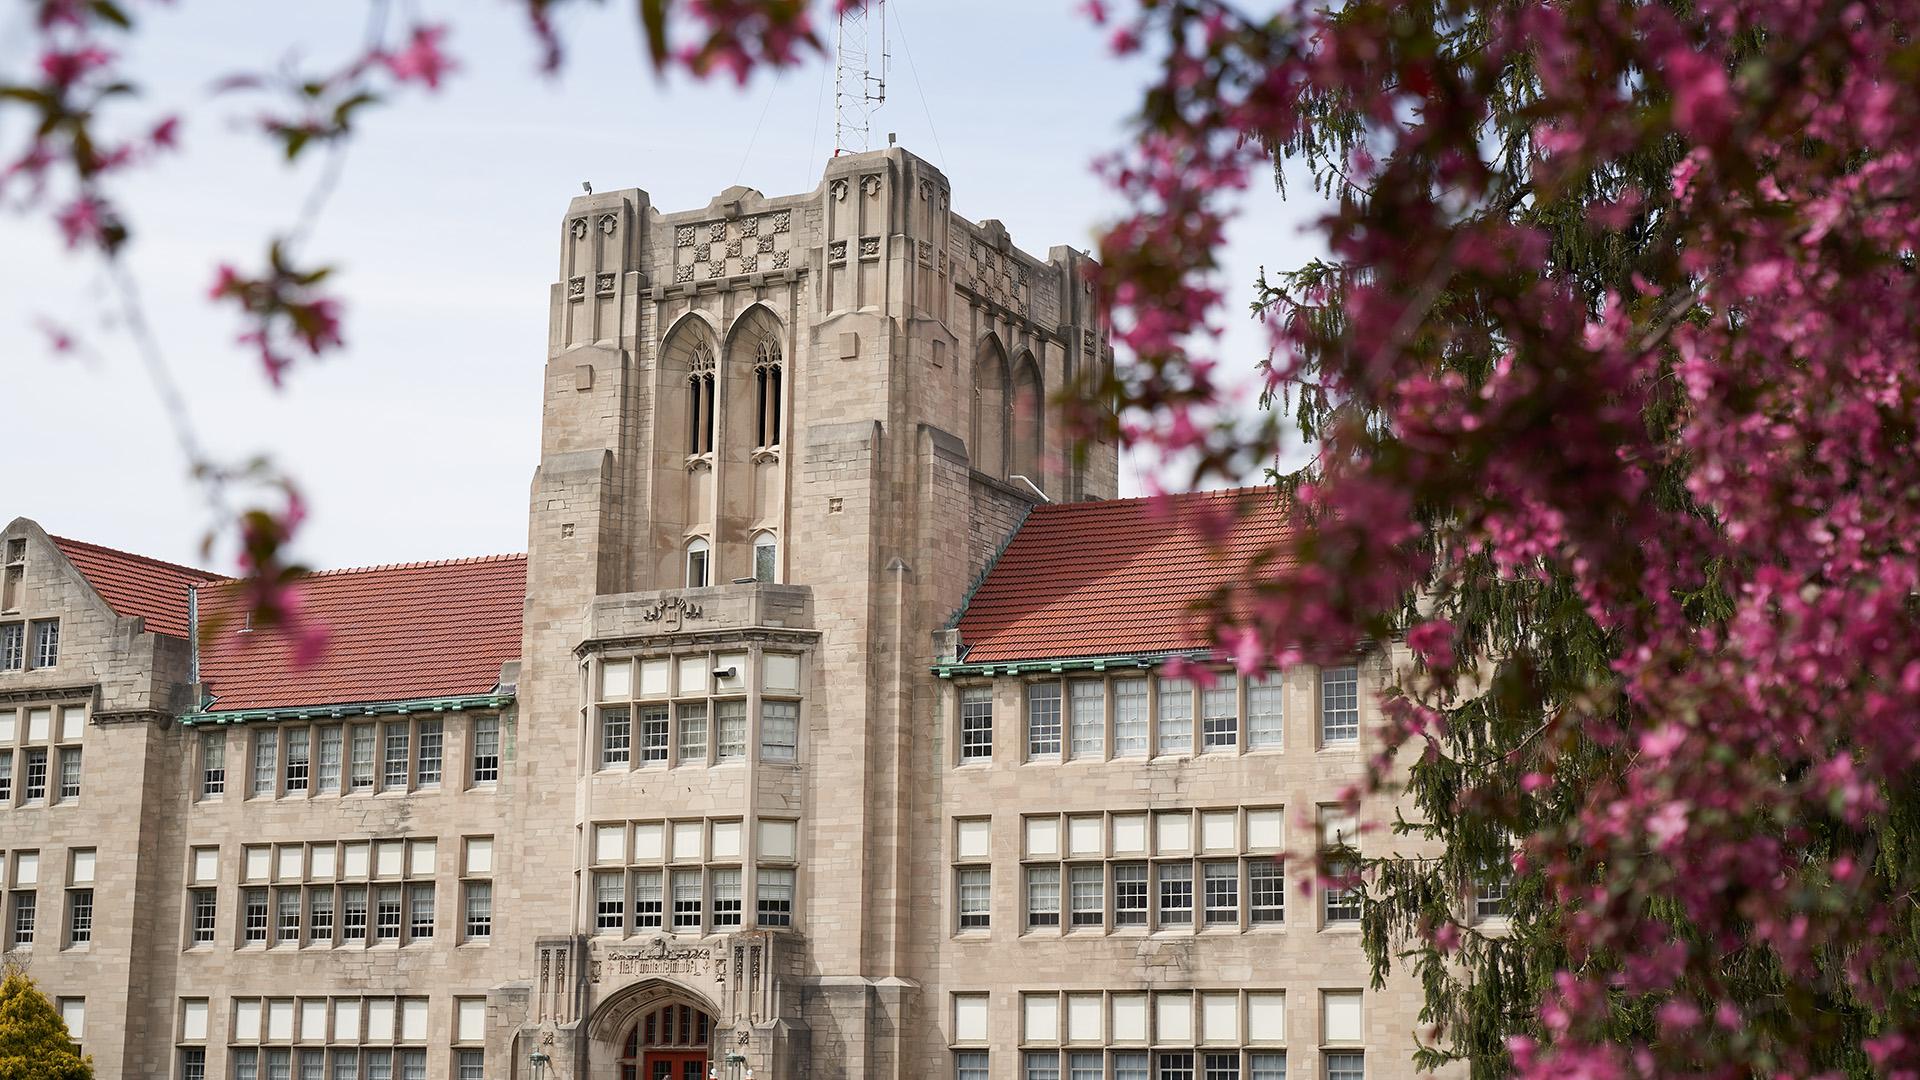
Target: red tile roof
{"points": [[136, 586], [394, 633], [1116, 578]]}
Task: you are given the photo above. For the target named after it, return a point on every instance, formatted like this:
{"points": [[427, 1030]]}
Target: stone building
{"points": [[824, 731]]}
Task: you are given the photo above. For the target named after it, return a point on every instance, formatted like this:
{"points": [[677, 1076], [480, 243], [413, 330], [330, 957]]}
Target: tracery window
{"points": [[767, 390], [700, 399]]}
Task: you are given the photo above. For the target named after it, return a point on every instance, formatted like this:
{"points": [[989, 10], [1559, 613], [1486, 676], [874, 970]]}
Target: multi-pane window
{"points": [[1085, 1066], [353, 913], [13, 646], [6, 777], [649, 900], [1346, 1065], [779, 730], [653, 736], [1176, 1065], [1041, 1065], [976, 723], [399, 738], [479, 910], [610, 902], [193, 1063], [299, 760], [1129, 717], [1130, 894], [1266, 697], [36, 785], [470, 1065], [286, 916], [1220, 1066], [730, 719], [1339, 705], [360, 774], [1176, 716], [387, 913], [213, 763], [324, 894], [1220, 717], [320, 914], [427, 762], [25, 914], [330, 760], [1490, 895], [420, 912], [254, 926], [1176, 893], [46, 643], [970, 1065], [686, 900], [1088, 700], [79, 916], [1043, 896], [616, 736], [692, 718], [205, 916], [364, 1031], [1221, 892], [486, 749], [975, 890], [1271, 1065], [1043, 720], [1266, 892], [1131, 1066], [775, 897], [69, 773], [1086, 894], [726, 897], [266, 758], [1342, 898]]}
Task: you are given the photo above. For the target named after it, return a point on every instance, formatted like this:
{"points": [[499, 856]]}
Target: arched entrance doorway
{"points": [[667, 1042]]}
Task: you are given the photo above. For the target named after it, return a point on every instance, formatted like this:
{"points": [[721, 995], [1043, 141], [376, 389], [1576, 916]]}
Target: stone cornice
{"points": [[636, 644]]}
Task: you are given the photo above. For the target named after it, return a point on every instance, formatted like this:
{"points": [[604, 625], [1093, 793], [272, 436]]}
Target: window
{"points": [[1268, 1066], [700, 402], [394, 776], [779, 730], [693, 733], [970, 1065], [1221, 884], [299, 761], [1265, 712], [1176, 893], [1220, 717], [975, 890], [647, 900], [1043, 720], [1346, 1065], [610, 903], [1266, 892], [353, 913], [254, 930], [470, 1065], [775, 905], [766, 376], [726, 898], [1176, 1066], [320, 915], [361, 775], [6, 777], [1089, 701], [36, 774], [69, 773], [330, 760], [266, 759], [1129, 717], [287, 916], [479, 910], [653, 736], [1342, 900], [1043, 896], [1490, 895], [697, 554], [193, 1064], [386, 913], [1176, 716], [426, 766], [420, 912], [616, 736], [1086, 890], [1130, 894], [731, 719], [486, 749], [1221, 1066], [1131, 1066], [976, 723], [1085, 1067], [686, 900], [13, 647], [1339, 705], [79, 916], [205, 916], [213, 763], [24, 912], [765, 556], [1042, 1065], [46, 643]]}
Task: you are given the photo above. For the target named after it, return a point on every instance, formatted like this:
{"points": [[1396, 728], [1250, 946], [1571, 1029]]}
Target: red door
{"points": [[676, 1065]]}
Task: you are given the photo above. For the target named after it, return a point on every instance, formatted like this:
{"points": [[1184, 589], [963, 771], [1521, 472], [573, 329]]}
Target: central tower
{"points": [[782, 437]]}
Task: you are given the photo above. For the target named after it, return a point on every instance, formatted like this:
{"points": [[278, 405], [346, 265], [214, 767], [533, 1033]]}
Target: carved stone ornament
{"points": [[608, 223], [578, 228], [717, 232], [577, 288], [683, 273], [749, 262], [733, 249], [779, 260], [603, 283], [718, 268], [837, 251], [926, 190], [870, 184], [658, 610], [750, 226], [782, 220], [765, 243], [869, 247], [701, 252], [683, 236], [1020, 278], [1089, 341], [661, 958], [838, 189]]}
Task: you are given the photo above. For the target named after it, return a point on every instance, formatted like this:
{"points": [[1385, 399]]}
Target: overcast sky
{"points": [[418, 440]]}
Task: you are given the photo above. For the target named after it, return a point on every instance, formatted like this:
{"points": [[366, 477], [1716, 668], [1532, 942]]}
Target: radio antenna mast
{"points": [[859, 75]]}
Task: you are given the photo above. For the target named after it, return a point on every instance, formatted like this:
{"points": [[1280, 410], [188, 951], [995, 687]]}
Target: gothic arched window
{"points": [[700, 403], [766, 556], [698, 553], [767, 380]]}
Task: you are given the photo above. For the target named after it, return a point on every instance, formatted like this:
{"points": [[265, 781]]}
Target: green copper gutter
{"points": [[498, 700], [1077, 663]]}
